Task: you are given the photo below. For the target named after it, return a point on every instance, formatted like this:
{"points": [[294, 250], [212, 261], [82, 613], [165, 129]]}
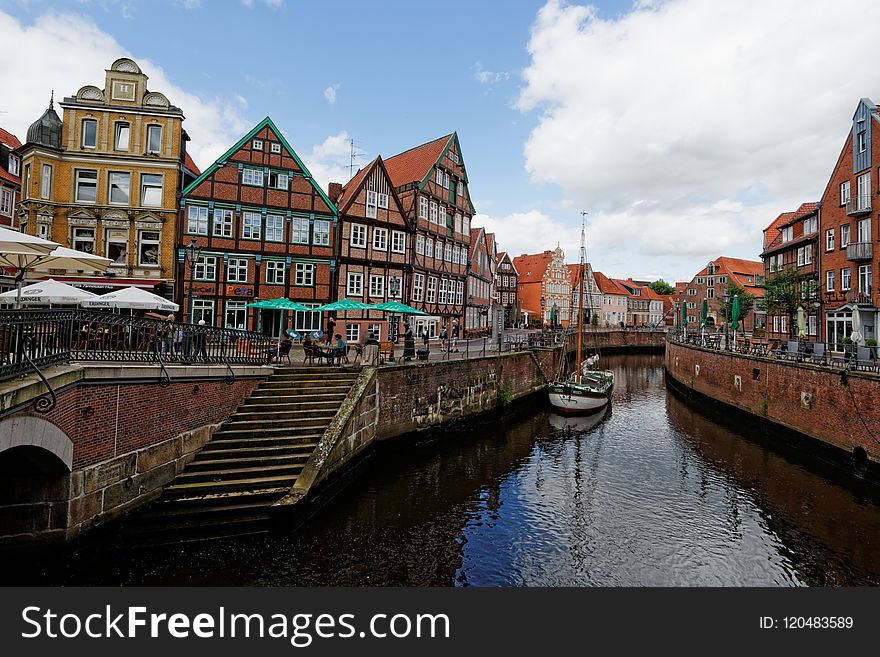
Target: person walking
{"points": [[409, 342], [200, 342], [455, 332], [167, 333]]}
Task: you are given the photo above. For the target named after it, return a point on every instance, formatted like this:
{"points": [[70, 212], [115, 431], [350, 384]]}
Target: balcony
{"points": [[858, 205], [859, 251]]}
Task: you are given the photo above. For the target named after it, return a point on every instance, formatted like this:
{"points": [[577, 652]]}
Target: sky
{"points": [[682, 127]]}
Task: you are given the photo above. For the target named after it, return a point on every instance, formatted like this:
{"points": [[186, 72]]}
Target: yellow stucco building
{"points": [[106, 180]]}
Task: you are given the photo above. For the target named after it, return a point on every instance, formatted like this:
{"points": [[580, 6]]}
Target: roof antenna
{"points": [[353, 154], [52, 99]]}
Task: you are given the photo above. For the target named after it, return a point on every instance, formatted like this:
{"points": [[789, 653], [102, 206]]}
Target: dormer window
{"points": [[787, 234], [14, 165], [275, 147], [257, 144], [862, 137]]}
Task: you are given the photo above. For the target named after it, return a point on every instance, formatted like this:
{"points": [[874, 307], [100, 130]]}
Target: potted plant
{"points": [[871, 343]]}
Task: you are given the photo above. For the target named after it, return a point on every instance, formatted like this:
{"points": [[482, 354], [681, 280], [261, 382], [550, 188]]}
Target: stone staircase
{"points": [[251, 462]]}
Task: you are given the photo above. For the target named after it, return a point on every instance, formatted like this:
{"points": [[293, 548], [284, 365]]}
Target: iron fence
{"points": [[32, 339]]}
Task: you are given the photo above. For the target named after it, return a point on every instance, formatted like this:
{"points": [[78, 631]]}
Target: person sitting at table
{"points": [[310, 348], [339, 350]]}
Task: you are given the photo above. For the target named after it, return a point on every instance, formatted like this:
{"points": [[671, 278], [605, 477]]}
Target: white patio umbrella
{"points": [[131, 297], [46, 292], [856, 335]]}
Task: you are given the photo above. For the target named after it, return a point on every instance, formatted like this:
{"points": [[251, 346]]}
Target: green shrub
{"points": [[870, 342], [846, 341], [505, 394]]}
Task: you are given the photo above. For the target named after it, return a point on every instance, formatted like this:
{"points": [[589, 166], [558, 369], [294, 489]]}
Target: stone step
{"points": [[275, 398], [312, 369], [190, 489], [216, 510], [243, 432], [310, 392], [233, 471], [239, 462], [279, 418], [322, 376], [304, 386], [271, 441], [303, 449], [290, 405], [205, 500]]}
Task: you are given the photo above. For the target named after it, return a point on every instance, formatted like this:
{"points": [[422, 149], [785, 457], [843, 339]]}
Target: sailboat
{"points": [[586, 390]]}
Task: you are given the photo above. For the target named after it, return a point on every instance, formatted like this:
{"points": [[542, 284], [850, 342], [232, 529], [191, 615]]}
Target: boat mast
{"points": [[580, 283]]}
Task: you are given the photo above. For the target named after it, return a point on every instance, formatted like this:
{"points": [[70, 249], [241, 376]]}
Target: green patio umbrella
{"points": [[342, 304], [281, 304], [704, 313], [734, 316], [684, 315], [397, 307], [802, 332]]}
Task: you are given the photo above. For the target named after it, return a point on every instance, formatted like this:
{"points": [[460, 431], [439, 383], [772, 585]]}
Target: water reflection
{"points": [[650, 492]]}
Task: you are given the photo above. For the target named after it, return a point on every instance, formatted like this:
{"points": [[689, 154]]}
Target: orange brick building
{"points": [[544, 287]]}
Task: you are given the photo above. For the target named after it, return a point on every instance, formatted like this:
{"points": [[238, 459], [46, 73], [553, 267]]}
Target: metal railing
{"points": [[32, 339], [858, 204], [859, 251]]}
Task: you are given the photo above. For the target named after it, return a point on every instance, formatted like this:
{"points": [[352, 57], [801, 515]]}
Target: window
{"points": [[420, 244], [84, 240], [864, 190], [377, 286], [418, 287], [433, 212], [354, 287], [466, 225], [429, 247], [380, 239], [89, 133], [206, 269], [446, 180], [460, 189], [300, 230], [829, 239], [86, 186], [148, 248], [197, 220], [154, 138], [863, 230], [43, 230], [808, 254], [710, 292], [865, 279], [395, 287], [151, 190], [305, 274], [14, 165], [123, 136], [800, 257], [456, 254], [459, 294], [442, 297], [202, 309], [358, 236], [371, 204], [787, 234], [275, 272], [383, 201], [352, 332], [237, 270], [252, 177], [844, 192], [251, 225], [222, 222], [26, 181], [257, 144], [45, 180], [5, 202], [439, 177], [811, 225], [829, 280], [275, 147], [862, 139], [844, 236], [432, 290], [376, 330], [423, 207], [120, 187], [441, 218], [438, 250], [278, 180], [811, 325], [307, 321], [463, 260], [448, 252], [845, 276], [457, 222], [398, 241], [274, 228], [322, 233], [236, 315]]}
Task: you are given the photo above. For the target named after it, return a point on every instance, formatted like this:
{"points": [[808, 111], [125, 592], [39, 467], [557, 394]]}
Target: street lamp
{"points": [[543, 310], [193, 251]]}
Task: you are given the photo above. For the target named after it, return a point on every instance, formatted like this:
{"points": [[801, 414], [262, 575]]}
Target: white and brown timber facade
{"points": [[374, 248], [432, 184], [266, 230]]}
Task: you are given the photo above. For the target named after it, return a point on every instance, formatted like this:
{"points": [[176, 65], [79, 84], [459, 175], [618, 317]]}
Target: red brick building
{"points": [[10, 177], [374, 249], [432, 184], [848, 221], [266, 229], [792, 242], [481, 275], [710, 284], [544, 287], [506, 276]]}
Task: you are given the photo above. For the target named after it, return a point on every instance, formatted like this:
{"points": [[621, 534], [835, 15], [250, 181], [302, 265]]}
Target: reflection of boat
{"points": [[578, 424], [586, 390]]}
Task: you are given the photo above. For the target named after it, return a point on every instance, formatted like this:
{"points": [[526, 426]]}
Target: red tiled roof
{"points": [[9, 139], [190, 164], [531, 267], [412, 165], [355, 181], [5, 175], [475, 234], [805, 210], [608, 285], [771, 232], [739, 271]]}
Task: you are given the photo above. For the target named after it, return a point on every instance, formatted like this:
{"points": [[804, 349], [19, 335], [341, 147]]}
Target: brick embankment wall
{"points": [[812, 400], [611, 341]]}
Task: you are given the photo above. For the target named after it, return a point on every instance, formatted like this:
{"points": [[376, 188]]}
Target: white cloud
{"points": [[530, 232], [330, 93], [489, 77], [686, 126], [329, 161], [69, 51]]}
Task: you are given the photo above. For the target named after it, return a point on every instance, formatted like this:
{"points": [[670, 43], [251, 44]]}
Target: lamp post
{"points": [[193, 251], [726, 317], [543, 310]]}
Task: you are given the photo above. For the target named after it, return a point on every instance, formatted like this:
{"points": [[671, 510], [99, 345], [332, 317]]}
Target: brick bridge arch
{"points": [[36, 432]]}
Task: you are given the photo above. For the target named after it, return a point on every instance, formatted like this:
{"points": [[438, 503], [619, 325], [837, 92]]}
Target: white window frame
{"points": [[122, 128], [275, 272], [224, 222], [371, 204], [845, 196], [429, 247], [380, 239], [418, 287], [829, 239], [281, 180], [79, 181], [299, 230], [376, 330], [863, 184], [438, 250], [304, 274], [445, 180], [14, 165], [433, 213], [79, 235], [829, 280], [866, 281], [202, 309], [237, 309], [438, 178], [157, 242], [148, 185], [358, 236], [82, 142], [123, 175], [252, 177], [845, 279], [274, 231], [845, 236], [251, 225], [398, 241], [321, 233], [205, 268], [420, 244], [6, 196], [377, 286], [390, 287], [423, 207], [275, 147], [431, 290], [447, 252], [257, 145], [352, 333], [237, 270], [354, 286], [153, 128], [383, 201], [196, 220]]}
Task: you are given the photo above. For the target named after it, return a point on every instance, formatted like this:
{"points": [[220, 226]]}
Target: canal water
{"points": [[651, 493]]}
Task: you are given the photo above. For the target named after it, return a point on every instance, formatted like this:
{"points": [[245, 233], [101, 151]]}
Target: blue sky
{"points": [[659, 117]]}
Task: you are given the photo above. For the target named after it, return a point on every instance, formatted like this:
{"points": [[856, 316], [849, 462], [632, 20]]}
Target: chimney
{"points": [[334, 191]]}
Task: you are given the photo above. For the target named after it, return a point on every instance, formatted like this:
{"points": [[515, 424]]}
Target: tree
{"points": [[746, 301], [662, 287], [783, 294]]}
